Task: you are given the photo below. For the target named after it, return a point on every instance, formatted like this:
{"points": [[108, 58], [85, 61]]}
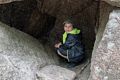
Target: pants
{"points": [[64, 56]]}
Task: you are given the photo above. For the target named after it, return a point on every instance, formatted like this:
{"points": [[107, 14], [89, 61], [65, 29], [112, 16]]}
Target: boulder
{"points": [[53, 72], [105, 63], [21, 56]]}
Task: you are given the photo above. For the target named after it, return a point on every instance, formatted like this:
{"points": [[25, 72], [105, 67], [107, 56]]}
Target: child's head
{"points": [[68, 26]]}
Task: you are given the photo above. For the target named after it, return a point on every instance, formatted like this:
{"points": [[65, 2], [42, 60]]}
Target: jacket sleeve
{"points": [[71, 41]]}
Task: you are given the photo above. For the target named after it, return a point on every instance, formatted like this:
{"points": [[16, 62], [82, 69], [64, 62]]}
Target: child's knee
{"points": [[62, 55], [77, 59]]}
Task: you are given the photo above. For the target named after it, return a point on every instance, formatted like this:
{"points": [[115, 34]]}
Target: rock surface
{"points": [[52, 72], [113, 2], [21, 56], [7, 1], [105, 63]]}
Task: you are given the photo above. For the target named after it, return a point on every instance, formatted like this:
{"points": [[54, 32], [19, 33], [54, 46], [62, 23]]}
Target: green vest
{"points": [[74, 31]]}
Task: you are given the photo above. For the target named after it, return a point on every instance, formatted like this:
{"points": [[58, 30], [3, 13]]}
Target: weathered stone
{"points": [[106, 58], [17, 14], [113, 2], [7, 1], [52, 72], [21, 55], [105, 10]]}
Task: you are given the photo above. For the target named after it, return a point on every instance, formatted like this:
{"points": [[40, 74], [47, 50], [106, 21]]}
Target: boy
{"points": [[71, 48]]}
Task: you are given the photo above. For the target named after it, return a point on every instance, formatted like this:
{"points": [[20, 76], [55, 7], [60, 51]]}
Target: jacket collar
{"points": [[74, 31]]}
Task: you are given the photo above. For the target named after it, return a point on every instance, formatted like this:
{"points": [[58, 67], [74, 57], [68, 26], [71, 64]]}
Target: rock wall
{"points": [[105, 10], [7, 1], [113, 2], [105, 58], [17, 14], [22, 56]]}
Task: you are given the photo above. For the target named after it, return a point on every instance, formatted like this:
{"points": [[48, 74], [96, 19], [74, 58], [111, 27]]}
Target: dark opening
{"points": [[17, 14], [20, 14], [49, 24]]}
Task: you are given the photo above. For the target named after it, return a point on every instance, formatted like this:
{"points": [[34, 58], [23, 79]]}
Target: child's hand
{"points": [[58, 45]]}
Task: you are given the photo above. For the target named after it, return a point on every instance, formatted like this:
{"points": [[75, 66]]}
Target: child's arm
{"points": [[71, 41], [58, 45]]}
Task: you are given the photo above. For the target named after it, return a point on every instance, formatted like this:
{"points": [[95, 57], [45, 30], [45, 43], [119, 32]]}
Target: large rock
{"points": [[113, 2], [105, 10], [7, 1], [21, 56], [53, 72], [106, 58]]}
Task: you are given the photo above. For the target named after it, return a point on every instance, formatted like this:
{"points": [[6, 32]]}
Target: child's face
{"points": [[68, 27]]}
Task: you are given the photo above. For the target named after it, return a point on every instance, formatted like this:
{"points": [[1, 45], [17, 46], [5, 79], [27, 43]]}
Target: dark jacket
{"points": [[72, 47]]}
